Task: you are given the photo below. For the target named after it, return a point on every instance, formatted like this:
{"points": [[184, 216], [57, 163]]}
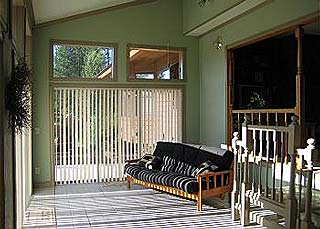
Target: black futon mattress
{"points": [[183, 159]]}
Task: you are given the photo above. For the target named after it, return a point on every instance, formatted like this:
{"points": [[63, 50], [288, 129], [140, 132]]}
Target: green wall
{"points": [[213, 63], [162, 23], [158, 23]]}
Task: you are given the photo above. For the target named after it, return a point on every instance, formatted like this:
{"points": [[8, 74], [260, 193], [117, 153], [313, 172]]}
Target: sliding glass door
{"points": [[96, 130]]}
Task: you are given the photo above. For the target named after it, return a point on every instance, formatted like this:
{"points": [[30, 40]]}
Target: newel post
{"points": [[308, 154], [293, 141], [300, 86], [235, 191]]}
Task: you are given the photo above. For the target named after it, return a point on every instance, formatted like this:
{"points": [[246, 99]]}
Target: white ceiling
{"points": [[49, 10]]}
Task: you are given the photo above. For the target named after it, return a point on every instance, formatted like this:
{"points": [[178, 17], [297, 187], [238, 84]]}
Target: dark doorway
{"points": [[264, 74], [262, 77]]}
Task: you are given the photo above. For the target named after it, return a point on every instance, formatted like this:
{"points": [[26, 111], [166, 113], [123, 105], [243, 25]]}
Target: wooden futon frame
{"points": [[203, 181]]}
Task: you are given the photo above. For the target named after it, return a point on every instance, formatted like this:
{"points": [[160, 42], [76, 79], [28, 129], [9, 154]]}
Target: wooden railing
{"points": [[271, 117], [262, 178], [306, 158], [260, 148], [266, 117]]}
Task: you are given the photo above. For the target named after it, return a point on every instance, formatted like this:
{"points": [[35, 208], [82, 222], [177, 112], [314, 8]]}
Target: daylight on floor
{"points": [[159, 114]]}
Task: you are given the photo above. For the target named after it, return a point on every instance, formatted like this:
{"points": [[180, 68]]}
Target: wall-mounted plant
{"points": [[18, 97]]}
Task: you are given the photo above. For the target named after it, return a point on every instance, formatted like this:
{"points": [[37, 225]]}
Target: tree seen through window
{"points": [[70, 61]]}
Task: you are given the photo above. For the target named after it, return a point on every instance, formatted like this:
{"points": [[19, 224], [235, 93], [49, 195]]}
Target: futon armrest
{"points": [[219, 179], [131, 161], [211, 174]]}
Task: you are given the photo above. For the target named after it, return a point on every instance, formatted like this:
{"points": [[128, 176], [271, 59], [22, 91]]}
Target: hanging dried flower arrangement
{"points": [[18, 97]]}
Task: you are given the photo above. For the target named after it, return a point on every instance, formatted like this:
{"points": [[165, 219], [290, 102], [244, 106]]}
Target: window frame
{"points": [[145, 78], [82, 43], [162, 48]]}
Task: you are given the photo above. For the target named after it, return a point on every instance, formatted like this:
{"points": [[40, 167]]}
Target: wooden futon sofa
{"points": [[191, 171]]}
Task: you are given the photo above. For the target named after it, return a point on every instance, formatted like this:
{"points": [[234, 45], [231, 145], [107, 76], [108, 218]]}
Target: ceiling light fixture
{"points": [[202, 3], [218, 43]]}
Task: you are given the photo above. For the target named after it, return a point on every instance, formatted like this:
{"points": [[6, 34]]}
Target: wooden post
{"points": [[245, 204], [235, 191], [294, 139], [311, 151], [230, 97], [299, 165], [308, 156], [199, 201], [300, 97], [306, 220]]}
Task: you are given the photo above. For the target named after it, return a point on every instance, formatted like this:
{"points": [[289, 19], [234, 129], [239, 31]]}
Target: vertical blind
{"points": [[96, 130]]}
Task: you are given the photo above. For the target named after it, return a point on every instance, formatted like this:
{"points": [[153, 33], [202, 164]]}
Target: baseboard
{"points": [[47, 184]]}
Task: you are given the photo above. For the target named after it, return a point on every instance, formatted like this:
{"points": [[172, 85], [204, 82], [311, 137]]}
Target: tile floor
{"points": [[113, 206]]}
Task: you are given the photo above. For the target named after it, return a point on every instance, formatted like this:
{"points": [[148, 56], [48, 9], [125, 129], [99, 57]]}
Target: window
{"points": [[75, 61], [155, 64]]}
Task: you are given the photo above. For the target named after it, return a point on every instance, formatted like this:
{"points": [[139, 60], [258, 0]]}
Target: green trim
{"points": [[114, 85], [47, 184], [51, 135]]}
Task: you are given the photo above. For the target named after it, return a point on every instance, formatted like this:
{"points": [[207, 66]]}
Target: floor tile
{"points": [[111, 205]]}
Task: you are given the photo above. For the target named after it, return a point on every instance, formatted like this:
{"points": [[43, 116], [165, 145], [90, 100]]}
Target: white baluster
{"points": [[245, 204], [235, 191]]}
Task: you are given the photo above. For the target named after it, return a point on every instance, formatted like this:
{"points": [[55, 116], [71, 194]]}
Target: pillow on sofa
{"points": [[146, 158], [205, 167], [180, 167], [184, 168], [189, 169], [168, 164], [155, 163]]}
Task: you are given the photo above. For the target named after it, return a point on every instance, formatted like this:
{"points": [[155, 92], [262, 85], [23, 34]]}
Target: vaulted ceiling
{"points": [[51, 10], [46, 11]]}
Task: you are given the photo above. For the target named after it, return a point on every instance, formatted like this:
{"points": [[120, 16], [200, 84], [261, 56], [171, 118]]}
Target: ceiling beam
{"points": [[30, 13], [227, 16]]}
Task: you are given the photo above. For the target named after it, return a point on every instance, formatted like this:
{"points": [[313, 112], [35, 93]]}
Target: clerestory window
{"points": [[83, 61], [148, 63]]}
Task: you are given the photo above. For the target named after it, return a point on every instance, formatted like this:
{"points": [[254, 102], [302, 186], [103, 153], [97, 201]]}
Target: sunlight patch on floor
{"points": [[112, 206]]}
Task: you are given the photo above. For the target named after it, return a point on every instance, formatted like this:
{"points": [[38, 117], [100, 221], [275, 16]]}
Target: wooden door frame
{"points": [[230, 91], [296, 28]]}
